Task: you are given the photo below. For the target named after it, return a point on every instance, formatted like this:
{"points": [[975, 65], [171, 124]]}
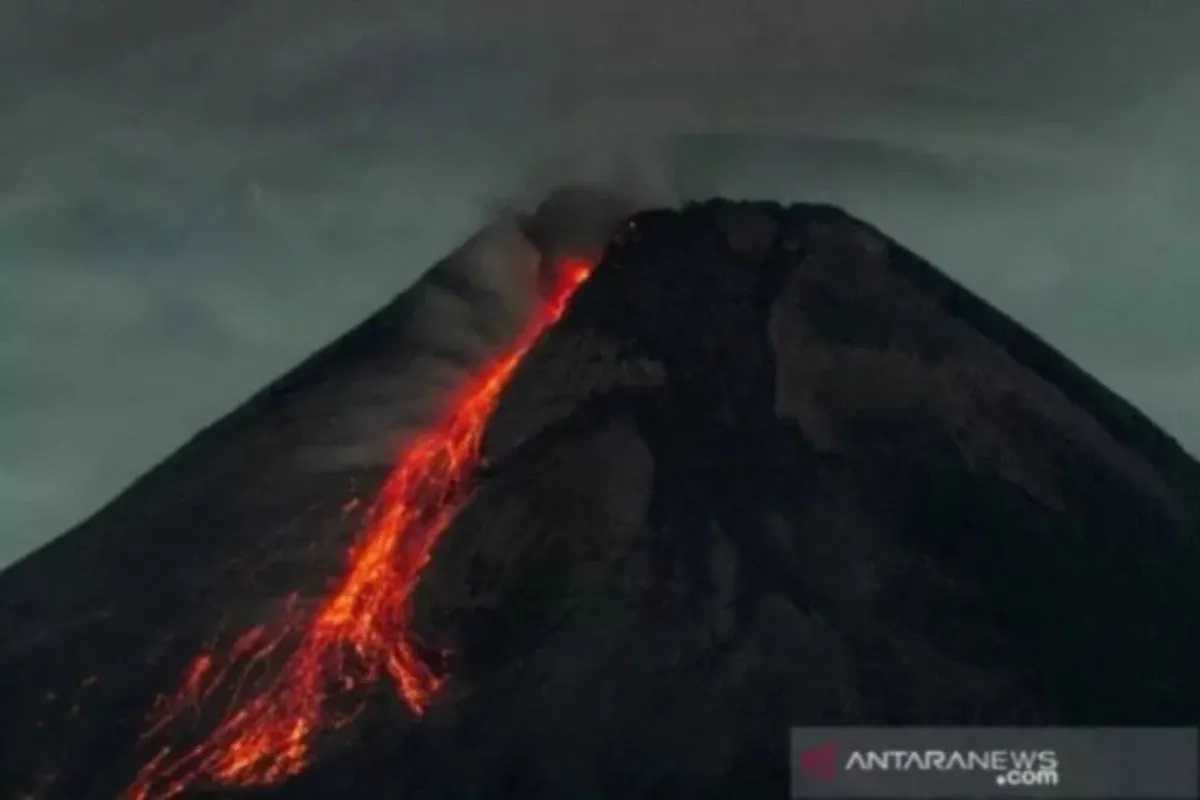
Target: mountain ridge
{"points": [[769, 463]]}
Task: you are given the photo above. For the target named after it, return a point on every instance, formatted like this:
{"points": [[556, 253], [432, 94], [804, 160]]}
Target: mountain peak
{"points": [[769, 468]]}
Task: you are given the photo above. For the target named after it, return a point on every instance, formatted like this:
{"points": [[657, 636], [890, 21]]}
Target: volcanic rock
{"points": [[770, 469]]}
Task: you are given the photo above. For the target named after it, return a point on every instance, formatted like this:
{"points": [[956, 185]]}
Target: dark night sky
{"points": [[194, 196]]}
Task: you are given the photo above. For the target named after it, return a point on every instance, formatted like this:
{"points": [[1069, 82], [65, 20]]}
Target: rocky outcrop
{"points": [[770, 469]]}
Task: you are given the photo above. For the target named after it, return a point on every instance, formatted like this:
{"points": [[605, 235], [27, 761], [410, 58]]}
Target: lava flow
{"points": [[361, 629]]}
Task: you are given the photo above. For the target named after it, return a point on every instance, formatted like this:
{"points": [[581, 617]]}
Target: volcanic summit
{"points": [[743, 467]]}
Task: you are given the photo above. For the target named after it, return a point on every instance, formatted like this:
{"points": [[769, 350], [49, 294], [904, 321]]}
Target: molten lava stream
{"points": [[361, 630]]}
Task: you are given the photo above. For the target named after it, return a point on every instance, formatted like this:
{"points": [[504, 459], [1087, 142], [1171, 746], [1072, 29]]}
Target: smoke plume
{"points": [[465, 309]]}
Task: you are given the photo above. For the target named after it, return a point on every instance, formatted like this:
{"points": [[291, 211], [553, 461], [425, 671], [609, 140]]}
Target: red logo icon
{"points": [[821, 762]]}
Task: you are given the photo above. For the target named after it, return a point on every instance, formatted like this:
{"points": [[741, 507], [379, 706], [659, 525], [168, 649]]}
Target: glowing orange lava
{"points": [[361, 629]]}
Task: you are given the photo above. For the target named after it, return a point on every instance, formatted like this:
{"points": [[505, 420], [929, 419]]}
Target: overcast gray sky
{"points": [[194, 196]]}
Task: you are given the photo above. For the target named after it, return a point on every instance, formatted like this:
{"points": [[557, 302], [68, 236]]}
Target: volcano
{"points": [[743, 467]]}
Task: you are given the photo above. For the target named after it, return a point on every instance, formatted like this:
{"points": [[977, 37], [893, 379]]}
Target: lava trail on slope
{"points": [[361, 629]]}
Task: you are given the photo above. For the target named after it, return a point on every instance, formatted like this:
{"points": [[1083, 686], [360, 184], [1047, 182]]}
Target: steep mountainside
{"points": [[769, 469]]}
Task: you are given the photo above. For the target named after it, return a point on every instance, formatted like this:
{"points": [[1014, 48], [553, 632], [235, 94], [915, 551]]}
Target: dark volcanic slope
{"points": [[770, 469]]}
